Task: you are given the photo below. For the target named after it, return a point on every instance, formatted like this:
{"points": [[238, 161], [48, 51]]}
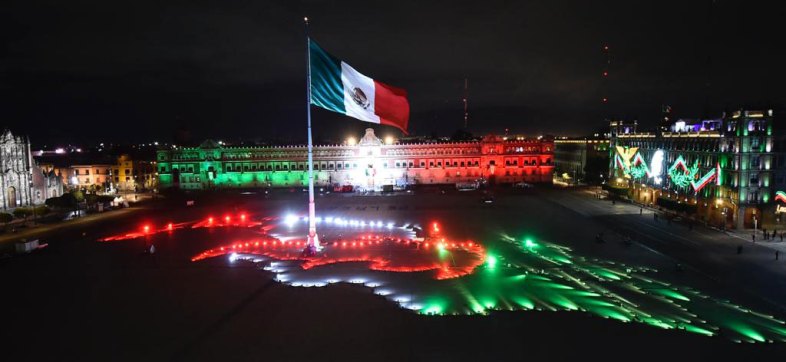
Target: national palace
{"points": [[369, 164]]}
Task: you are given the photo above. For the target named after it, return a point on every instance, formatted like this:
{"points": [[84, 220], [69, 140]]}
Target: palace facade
{"points": [[369, 165], [727, 172]]}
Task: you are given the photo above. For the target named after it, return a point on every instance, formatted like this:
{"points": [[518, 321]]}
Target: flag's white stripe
{"points": [[352, 79]]}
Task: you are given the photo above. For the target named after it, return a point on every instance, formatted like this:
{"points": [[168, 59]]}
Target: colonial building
{"points": [[45, 184], [22, 182], [581, 159], [368, 164], [90, 177], [134, 175], [102, 172], [726, 171]]}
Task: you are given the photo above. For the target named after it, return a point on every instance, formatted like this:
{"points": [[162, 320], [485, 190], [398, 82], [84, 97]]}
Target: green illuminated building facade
{"points": [[723, 171]]}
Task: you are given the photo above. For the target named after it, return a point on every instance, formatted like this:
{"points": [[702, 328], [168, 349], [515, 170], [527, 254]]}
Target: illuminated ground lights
{"points": [[446, 261], [438, 276], [228, 220], [146, 230]]}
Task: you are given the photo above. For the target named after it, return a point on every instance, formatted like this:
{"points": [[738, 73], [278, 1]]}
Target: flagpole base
{"points": [[312, 245]]}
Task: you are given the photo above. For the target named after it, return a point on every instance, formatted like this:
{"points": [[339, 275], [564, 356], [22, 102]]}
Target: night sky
{"points": [[130, 71]]}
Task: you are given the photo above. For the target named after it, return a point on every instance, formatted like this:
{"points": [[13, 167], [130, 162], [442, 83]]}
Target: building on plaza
{"points": [[22, 181], [135, 174], [45, 184], [145, 175], [368, 164], [124, 173], [90, 177], [581, 159], [102, 171], [727, 172]]}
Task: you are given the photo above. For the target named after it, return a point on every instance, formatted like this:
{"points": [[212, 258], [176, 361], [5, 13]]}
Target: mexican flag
{"points": [[338, 87]]}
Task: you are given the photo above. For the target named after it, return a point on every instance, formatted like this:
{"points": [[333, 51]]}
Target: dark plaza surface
{"points": [[85, 299]]}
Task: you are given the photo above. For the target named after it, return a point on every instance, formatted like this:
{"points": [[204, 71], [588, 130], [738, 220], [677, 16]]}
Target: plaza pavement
{"points": [[85, 300], [704, 250]]}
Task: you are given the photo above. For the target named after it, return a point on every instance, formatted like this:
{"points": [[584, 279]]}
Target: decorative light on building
{"points": [[656, 166]]}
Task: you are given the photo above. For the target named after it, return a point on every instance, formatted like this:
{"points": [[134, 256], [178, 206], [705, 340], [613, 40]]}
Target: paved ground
{"points": [[708, 251], [38, 230], [84, 300]]}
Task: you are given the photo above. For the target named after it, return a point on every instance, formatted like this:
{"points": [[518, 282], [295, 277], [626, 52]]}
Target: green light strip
{"points": [[527, 274]]}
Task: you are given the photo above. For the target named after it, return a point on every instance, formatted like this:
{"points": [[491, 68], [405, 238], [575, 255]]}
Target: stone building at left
{"points": [[22, 181]]}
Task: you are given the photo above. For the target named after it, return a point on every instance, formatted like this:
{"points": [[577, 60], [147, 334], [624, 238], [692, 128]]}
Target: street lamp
{"points": [[719, 201]]}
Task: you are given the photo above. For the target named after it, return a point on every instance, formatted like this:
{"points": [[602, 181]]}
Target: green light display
{"points": [[491, 261], [639, 171], [631, 163], [543, 276], [681, 175]]}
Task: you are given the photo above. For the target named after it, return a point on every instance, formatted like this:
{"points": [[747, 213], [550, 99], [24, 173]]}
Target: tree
{"points": [[41, 210], [67, 201], [78, 195], [5, 217], [22, 212]]}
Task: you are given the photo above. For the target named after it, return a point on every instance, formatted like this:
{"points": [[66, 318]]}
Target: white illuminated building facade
{"points": [[22, 182]]}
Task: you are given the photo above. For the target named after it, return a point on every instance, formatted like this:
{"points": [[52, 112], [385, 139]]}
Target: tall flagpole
{"points": [[312, 245]]}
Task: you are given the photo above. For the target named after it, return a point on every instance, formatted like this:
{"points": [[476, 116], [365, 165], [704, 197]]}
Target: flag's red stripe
{"points": [[391, 105]]}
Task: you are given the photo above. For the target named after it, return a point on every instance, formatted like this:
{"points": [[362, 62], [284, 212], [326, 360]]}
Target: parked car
{"points": [[344, 188]]}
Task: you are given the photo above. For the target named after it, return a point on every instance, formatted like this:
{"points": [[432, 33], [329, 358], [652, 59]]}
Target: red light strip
{"points": [[361, 252]]}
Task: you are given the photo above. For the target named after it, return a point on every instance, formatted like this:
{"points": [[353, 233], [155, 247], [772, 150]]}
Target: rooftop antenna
{"points": [[605, 74], [710, 36], [466, 101]]}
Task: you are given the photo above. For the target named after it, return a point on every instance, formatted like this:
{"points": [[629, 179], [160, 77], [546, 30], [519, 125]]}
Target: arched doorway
{"points": [[11, 197]]}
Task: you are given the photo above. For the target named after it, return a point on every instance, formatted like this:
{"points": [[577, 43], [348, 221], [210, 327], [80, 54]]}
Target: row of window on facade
{"points": [[474, 173], [522, 149], [429, 152], [753, 144], [279, 155], [87, 180], [347, 165], [345, 153], [98, 172]]}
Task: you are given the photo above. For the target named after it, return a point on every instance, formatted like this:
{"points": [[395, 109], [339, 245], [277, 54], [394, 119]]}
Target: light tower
{"points": [[605, 74]]}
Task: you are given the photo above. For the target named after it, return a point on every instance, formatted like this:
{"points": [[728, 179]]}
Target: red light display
{"points": [[389, 255]]}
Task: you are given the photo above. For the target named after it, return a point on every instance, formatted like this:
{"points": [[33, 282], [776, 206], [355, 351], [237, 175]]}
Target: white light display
{"points": [[656, 166]]}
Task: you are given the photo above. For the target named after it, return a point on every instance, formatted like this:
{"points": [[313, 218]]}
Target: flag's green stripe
{"points": [[327, 90]]}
